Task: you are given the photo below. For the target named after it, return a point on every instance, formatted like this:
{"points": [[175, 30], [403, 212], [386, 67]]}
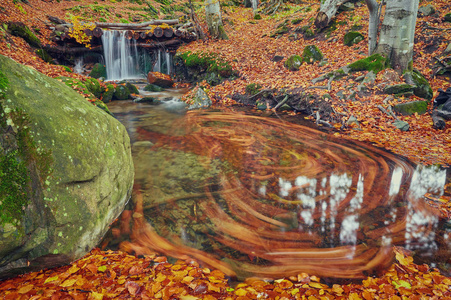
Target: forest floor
{"points": [[249, 50]]}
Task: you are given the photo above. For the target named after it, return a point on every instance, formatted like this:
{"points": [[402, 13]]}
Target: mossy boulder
{"points": [[411, 108], [92, 173], [280, 30], [153, 88], [293, 63], [21, 30], [107, 95], [447, 17], [375, 63], [121, 92], [422, 87], [352, 38], [132, 88], [306, 31], [94, 87], [399, 89], [98, 71], [195, 67], [200, 100], [311, 54]]}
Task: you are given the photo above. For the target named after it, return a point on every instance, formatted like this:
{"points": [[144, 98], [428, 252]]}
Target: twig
{"points": [[281, 102]]}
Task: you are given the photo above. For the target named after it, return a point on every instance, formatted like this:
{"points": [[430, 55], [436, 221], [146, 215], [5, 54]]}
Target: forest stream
{"points": [[258, 196]]}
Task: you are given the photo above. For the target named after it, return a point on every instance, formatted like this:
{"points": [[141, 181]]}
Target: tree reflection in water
{"points": [[268, 198]]}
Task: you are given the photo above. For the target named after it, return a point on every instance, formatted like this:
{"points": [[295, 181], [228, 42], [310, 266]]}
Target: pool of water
{"points": [[262, 196]]}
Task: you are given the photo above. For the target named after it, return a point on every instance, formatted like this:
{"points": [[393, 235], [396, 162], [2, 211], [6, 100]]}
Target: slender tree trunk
{"points": [[214, 19], [327, 11], [373, 8], [397, 33]]}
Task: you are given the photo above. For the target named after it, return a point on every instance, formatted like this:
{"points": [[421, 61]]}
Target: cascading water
{"points": [[123, 59], [121, 55], [163, 61]]}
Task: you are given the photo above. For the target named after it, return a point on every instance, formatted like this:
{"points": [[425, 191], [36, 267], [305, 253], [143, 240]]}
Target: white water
{"points": [[121, 56], [124, 61]]}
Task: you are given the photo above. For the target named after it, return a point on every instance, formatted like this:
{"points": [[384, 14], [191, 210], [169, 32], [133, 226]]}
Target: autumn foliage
{"points": [[249, 50]]}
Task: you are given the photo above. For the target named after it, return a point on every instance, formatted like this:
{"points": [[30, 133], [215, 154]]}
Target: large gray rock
{"points": [[92, 172], [201, 100]]}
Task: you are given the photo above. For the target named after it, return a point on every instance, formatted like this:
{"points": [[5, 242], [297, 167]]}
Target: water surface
{"points": [[261, 196]]}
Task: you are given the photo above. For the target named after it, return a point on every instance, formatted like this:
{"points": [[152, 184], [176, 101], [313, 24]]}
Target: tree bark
{"points": [[214, 19], [373, 8], [327, 11], [132, 26], [397, 33]]}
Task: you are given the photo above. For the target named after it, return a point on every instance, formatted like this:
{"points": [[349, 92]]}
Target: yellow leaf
{"points": [[73, 269], [240, 292], [96, 296], [318, 285], [50, 279], [354, 296], [68, 282], [101, 269], [25, 289], [188, 297]]}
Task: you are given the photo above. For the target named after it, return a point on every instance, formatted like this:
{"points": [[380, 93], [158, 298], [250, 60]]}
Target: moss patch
{"points": [[375, 63], [352, 38], [21, 30], [293, 63], [253, 88], [311, 54], [410, 108], [202, 66]]}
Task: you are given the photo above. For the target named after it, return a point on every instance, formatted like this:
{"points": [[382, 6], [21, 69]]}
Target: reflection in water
{"points": [[257, 196]]}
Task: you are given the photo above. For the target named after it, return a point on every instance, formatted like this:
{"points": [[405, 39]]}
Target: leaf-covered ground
{"points": [[117, 275], [108, 275]]}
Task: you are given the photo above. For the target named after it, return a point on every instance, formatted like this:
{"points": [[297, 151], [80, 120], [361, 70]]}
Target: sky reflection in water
{"points": [[263, 197]]}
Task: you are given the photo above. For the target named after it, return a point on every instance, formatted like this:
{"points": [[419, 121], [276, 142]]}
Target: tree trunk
{"points": [[373, 8], [214, 19], [397, 33], [327, 11]]}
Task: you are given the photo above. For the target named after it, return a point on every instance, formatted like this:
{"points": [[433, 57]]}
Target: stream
{"points": [[259, 196]]}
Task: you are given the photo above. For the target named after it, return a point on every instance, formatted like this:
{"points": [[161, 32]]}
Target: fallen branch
{"points": [[137, 25], [388, 113], [281, 102]]}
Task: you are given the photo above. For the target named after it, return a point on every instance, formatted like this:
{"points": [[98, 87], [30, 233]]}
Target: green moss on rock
{"points": [[200, 65], [293, 63], [132, 88], [21, 30], [121, 92], [153, 88], [422, 87], [448, 17], [93, 86], [411, 108], [352, 38], [107, 95], [375, 63], [311, 54], [98, 71]]}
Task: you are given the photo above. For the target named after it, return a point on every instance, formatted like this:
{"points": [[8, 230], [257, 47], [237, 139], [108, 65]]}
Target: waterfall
{"points": [[163, 62], [123, 59], [121, 55]]}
